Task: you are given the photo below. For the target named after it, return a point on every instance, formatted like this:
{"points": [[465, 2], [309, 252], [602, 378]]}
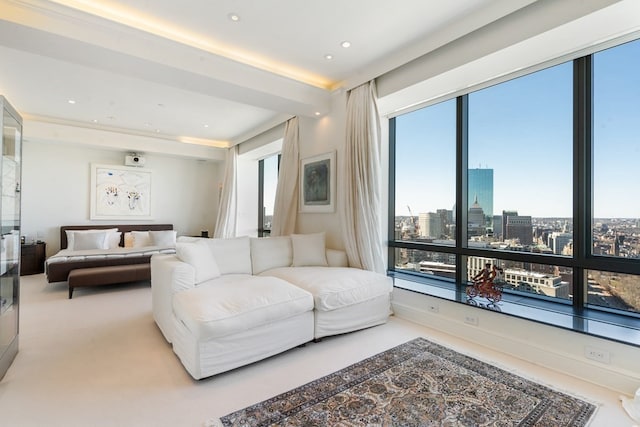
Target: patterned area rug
{"points": [[418, 383]]}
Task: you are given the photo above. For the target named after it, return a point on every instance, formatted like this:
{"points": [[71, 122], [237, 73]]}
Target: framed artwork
{"points": [[318, 183], [120, 192]]}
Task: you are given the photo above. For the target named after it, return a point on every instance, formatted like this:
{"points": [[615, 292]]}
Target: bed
{"points": [[92, 266]]}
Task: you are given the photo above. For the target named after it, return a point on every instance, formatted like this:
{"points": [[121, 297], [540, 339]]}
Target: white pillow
{"points": [[163, 237], [113, 239], [141, 239], [83, 241], [72, 233], [200, 257], [270, 252], [232, 255], [128, 240], [308, 250]]}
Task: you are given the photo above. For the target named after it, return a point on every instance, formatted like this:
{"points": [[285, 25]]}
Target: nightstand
{"points": [[32, 258]]}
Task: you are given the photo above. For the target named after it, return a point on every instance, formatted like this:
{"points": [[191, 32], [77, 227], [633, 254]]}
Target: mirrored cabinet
{"points": [[10, 178]]}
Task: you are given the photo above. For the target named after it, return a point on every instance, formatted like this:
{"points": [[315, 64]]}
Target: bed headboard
{"points": [[121, 227]]}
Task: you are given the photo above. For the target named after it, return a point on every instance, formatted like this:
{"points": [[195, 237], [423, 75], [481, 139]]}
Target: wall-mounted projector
{"points": [[134, 160]]}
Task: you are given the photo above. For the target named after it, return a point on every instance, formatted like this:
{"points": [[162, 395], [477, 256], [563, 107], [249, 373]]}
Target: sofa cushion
{"points": [[200, 257], [335, 287], [233, 255], [235, 303], [270, 252], [308, 250]]}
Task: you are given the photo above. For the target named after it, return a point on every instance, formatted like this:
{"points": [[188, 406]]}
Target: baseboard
{"points": [[514, 341]]}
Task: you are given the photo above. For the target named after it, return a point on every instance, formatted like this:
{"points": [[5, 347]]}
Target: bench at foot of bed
{"points": [[110, 275]]}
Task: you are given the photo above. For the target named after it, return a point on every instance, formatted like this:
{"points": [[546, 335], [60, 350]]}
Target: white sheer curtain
{"points": [[361, 171], [228, 209], [285, 209]]}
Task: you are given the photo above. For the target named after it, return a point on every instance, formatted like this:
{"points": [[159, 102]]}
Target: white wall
{"points": [[319, 136], [56, 189]]}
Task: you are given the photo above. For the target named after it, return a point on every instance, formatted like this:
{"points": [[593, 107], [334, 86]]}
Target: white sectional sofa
{"points": [[224, 303]]}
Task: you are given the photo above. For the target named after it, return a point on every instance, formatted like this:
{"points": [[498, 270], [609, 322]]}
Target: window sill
{"points": [[623, 329]]}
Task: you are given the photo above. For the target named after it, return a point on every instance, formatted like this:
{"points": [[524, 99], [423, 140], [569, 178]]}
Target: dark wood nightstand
{"points": [[32, 258]]}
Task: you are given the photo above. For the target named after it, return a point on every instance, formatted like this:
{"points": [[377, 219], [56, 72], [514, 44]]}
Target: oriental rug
{"points": [[418, 383]]}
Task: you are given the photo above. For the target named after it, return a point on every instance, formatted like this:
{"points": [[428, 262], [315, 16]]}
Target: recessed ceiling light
{"points": [[206, 126], [317, 113], [345, 44], [234, 17], [157, 130], [328, 57], [95, 120], [71, 101]]}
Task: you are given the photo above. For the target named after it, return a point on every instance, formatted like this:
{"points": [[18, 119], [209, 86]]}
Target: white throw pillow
{"points": [[84, 241], [141, 239], [200, 257], [270, 252], [232, 255], [72, 233], [113, 239], [163, 237], [309, 250]]}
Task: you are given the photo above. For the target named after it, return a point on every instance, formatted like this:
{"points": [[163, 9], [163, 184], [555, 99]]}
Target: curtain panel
{"points": [[360, 207], [285, 209], [228, 208]]}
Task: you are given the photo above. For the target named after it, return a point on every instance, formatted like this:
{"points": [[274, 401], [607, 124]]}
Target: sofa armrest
{"points": [[169, 275], [337, 258]]}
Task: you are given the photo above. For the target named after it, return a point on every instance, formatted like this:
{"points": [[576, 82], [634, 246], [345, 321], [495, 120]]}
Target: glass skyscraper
{"points": [[480, 187]]}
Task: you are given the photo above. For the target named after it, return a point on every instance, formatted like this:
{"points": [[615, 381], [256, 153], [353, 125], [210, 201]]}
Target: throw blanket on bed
{"points": [[95, 254]]}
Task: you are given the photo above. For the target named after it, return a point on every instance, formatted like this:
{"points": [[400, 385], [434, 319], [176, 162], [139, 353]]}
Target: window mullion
{"points": [[462, 156], [583, 173], [391, 230], [261, 198]]}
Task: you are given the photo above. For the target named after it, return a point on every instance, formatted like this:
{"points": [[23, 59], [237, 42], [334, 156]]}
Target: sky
{"points": [[522, 129]]}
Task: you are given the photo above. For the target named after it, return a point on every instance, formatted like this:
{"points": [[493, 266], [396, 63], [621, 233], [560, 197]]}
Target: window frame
{"points": [[582, 259]]}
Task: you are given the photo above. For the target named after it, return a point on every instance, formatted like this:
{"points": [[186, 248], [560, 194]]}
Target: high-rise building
{"points": [[476, 220], [518, 227], [506, 214], [497, 227], [558, 241], [480, 188], [431, 225]]}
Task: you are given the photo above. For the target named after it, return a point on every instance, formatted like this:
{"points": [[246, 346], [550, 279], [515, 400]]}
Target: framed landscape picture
{"points": [[318, 183], [120, 192]]}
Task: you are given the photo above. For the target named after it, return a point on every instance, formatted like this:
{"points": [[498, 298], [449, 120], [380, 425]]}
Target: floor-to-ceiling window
{"points": [[425, 190], [534, 175]]}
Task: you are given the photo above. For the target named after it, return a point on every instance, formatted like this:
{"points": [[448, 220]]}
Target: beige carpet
{"points": [[99, 360]]}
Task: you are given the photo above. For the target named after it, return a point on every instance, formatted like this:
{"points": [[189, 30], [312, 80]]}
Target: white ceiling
{"points": [[183, 71]]}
